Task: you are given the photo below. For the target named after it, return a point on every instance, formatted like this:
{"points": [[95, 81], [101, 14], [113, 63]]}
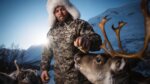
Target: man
{"points": [[67, 36]]}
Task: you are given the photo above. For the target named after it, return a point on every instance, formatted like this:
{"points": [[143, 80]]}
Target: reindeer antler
{"points": [[101, 25], [139, 54], [146, 13], [117, 32], [18, 70]]}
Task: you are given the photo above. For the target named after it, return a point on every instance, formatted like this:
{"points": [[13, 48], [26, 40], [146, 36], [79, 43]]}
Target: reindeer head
{"points": [[91, 65], [105, 68], [28, 76], [98, 68], [21, 76]]}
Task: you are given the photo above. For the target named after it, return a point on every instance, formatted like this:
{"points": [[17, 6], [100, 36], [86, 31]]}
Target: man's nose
{"points": [[60, 12]]}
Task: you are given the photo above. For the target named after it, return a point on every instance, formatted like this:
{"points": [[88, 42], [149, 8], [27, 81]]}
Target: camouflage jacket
{"points": [[61, 38]]}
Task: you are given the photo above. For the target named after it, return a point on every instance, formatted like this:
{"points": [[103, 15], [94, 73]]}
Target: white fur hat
{"points": [[52, 4]]}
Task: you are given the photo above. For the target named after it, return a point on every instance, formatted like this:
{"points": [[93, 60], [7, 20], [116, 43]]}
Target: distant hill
{"points": [[33, 53]]}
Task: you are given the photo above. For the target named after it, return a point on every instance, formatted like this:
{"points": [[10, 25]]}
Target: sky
{"points": [[25, 22]]}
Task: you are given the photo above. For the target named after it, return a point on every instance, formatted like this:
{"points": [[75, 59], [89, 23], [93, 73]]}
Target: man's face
{"points": [[60, 13]]}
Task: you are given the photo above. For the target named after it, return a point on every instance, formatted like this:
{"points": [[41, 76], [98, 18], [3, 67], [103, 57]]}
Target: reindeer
{"points": [[24, 76], [111, 67]]}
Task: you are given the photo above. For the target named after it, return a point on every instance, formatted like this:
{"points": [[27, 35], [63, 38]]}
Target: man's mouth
{"points": [[61, 17]]}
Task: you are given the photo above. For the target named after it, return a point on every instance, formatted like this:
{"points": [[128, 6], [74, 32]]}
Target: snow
{"points": [[132, 34]]}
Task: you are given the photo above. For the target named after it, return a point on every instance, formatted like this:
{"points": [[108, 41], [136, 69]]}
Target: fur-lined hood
{"points": [[52, 4]]}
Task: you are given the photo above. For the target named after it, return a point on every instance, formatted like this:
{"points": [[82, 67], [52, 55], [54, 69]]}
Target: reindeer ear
{"points": [[6, 79], [122, 65], [118, 64]]}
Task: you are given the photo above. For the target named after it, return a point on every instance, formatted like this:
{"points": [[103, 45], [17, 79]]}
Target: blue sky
{"points": [[25, 22]]}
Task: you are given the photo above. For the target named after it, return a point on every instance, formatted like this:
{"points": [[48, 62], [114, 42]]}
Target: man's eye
{"points": [[56, 11]]}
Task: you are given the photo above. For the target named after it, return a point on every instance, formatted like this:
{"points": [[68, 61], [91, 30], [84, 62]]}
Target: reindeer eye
{"points": [[98, 60]]}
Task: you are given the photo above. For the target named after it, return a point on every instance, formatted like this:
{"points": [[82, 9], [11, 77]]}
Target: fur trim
{"points": [[51, 4]]}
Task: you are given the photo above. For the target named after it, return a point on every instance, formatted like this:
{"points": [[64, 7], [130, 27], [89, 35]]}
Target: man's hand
{"points": [[83, 43], [44, 76]]}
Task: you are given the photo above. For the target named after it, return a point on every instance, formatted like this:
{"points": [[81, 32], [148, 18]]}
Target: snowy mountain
{"points": [[33, 53], [132, 34]]}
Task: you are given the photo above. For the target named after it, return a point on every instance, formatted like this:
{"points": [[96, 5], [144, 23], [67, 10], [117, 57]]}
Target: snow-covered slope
{"points": [[33, 53], [132, 34]]}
